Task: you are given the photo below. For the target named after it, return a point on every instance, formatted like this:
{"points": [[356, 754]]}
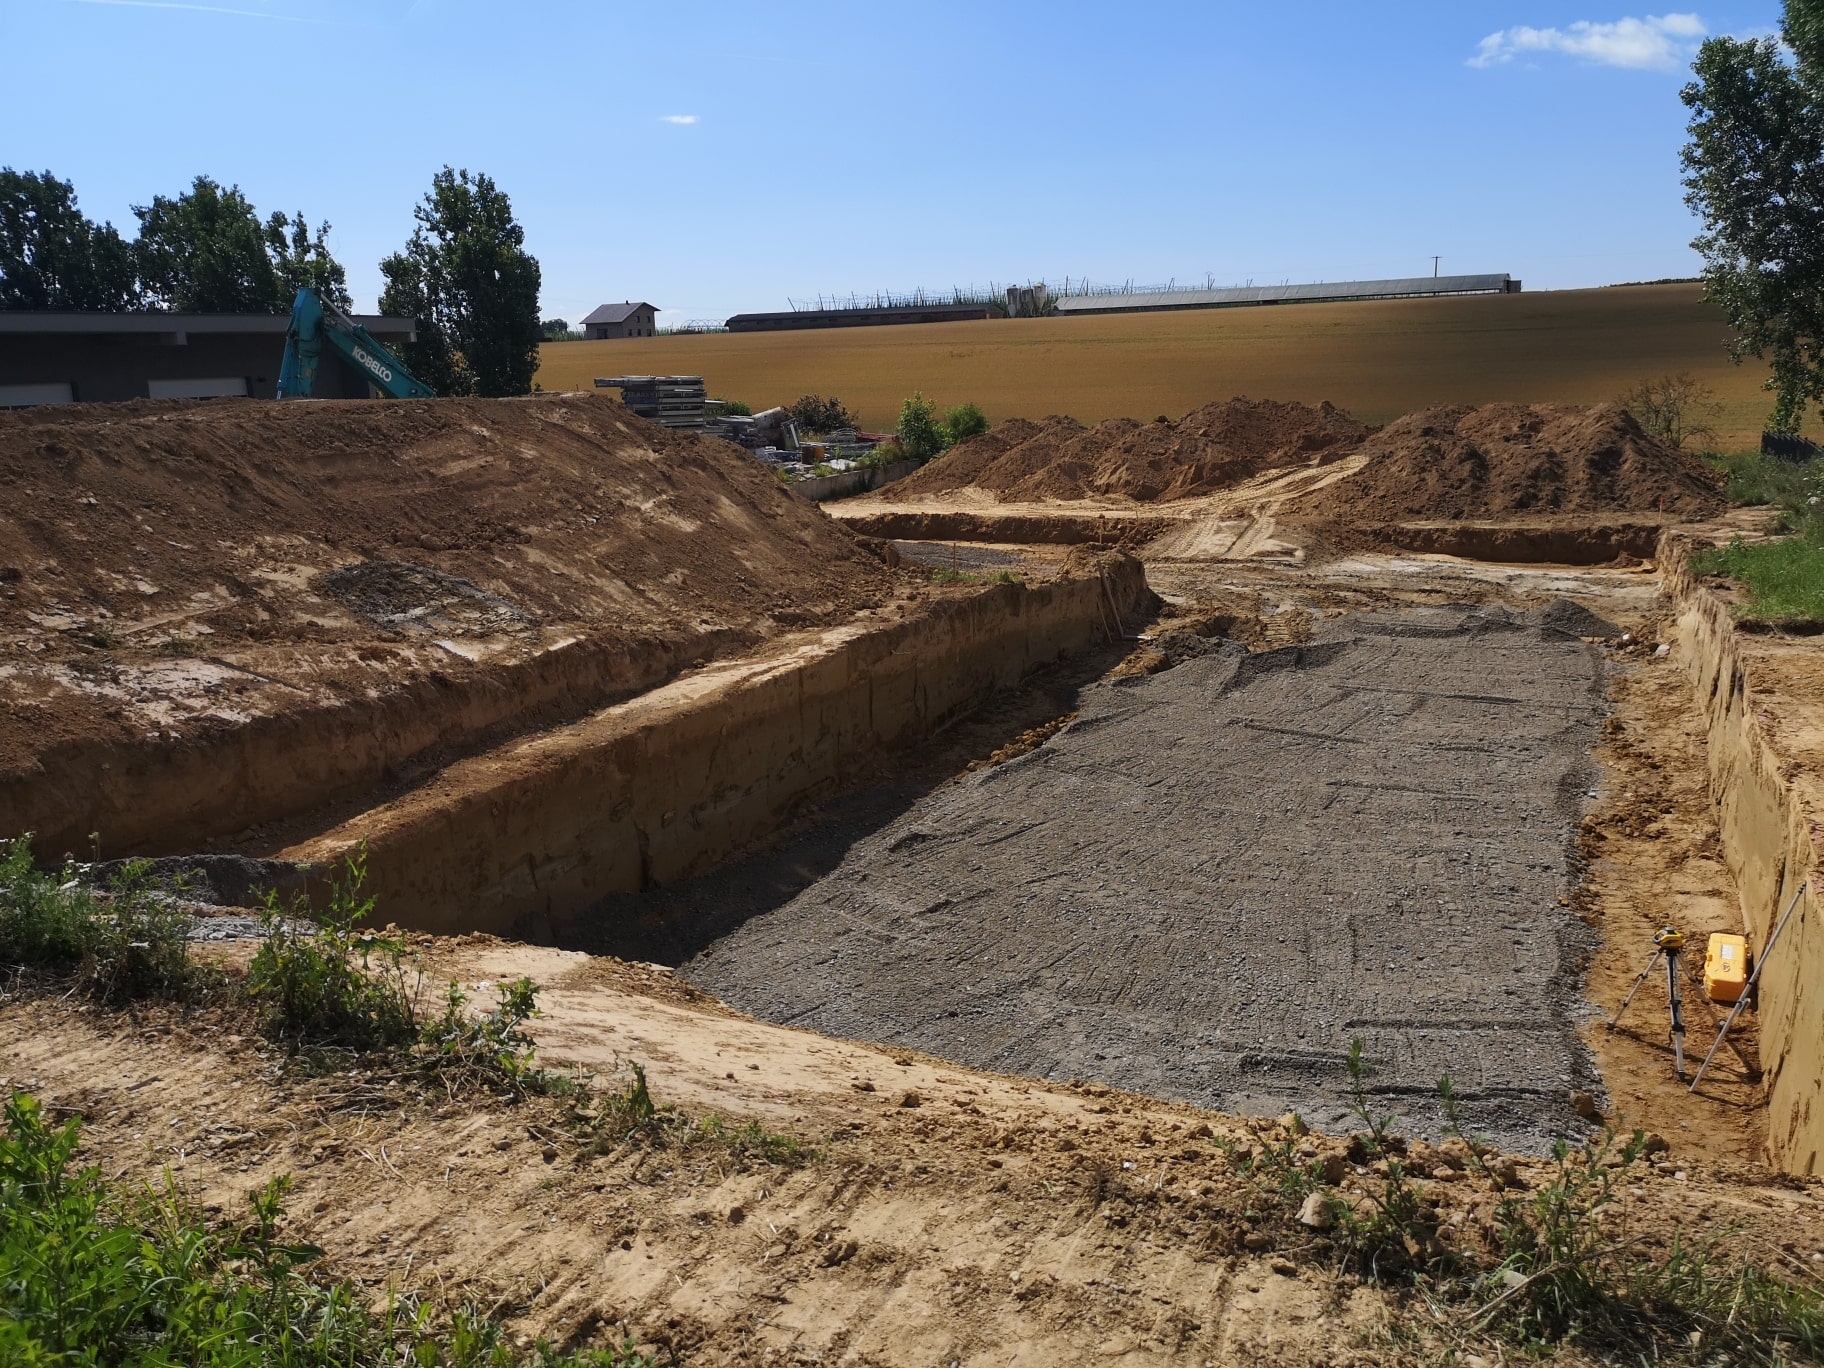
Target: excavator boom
{"points": [[316, 325]]}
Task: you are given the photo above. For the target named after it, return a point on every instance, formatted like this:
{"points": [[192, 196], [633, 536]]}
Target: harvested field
{"points": [[1216, 876], [1376, 359], [1210, 449]]}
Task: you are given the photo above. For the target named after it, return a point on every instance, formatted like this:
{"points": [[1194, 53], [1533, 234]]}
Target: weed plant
{"points": [[628, 1115], [125, 944], [1560, 1272], [93, 1274]]}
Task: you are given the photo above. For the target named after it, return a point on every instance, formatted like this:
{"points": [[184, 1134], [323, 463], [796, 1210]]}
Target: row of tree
{"points": [[464, 276]]}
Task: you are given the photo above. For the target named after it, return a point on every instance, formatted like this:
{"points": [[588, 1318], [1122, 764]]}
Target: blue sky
{"points": [[715, 157]]}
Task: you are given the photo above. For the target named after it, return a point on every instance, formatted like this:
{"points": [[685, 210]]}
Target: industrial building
{"points": [[1417, 287], [629, 319], [792, 319], [62, 358]]}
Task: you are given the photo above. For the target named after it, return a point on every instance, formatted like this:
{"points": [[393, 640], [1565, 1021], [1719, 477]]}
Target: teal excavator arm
{"points": [[316, 325]]}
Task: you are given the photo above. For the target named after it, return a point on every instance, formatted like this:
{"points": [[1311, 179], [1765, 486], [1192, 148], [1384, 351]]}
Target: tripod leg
{"points": [[1678, 1019], [1616, 1019]]}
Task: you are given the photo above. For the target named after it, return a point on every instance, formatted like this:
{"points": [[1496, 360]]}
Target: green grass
{"points": [[1783, 579], [97, 1275]]}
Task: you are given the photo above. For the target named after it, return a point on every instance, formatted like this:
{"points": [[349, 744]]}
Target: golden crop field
{"points": [[1377, 359]]}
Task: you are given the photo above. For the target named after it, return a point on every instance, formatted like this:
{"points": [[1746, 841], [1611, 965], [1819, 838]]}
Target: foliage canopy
{"points": [[51, 257], [467, 279], [1754, 172], [206, 251]]}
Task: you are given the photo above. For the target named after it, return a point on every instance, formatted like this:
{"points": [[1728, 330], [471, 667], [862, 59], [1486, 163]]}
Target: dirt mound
{"points": [[1208, 449], [254, 518], [364, 589], [1455, 461]]}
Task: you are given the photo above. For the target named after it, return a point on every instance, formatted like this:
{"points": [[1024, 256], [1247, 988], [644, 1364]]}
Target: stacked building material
{"points": [[673, 400]]}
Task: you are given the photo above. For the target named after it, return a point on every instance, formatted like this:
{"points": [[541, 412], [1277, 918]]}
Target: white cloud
{"points": [[1653, 43], [681, 118]]}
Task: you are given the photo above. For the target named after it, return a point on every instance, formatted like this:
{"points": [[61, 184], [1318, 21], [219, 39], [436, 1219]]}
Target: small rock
{"points": [[550, 1154], [910, 1099], [1336, 1168], [1654, 1144], [1584, 1105], [1512, 1278], [864, 1085], [737, 1214], [1293, 1124], [1284, 1267], [1315, 1213], [1255, 1241]]}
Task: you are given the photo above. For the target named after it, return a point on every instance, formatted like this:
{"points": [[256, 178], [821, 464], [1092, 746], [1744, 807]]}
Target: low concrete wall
{"points": [[1769, 812], [822, 488], [671, 783]]}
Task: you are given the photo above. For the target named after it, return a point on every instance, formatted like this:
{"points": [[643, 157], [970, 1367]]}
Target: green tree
{"points": [[468, 280], [51, 257], [920, 434], [205, 252], [1754, 172], [963, 422], [815, 414], [300, 259]]}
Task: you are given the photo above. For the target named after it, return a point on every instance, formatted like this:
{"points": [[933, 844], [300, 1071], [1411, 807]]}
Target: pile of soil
{"points": [[1208, 449], [453, 517], [1455, 461]]}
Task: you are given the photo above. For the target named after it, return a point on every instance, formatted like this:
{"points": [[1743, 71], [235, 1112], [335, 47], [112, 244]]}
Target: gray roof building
{"points": [[60, 358], [628, 319]]}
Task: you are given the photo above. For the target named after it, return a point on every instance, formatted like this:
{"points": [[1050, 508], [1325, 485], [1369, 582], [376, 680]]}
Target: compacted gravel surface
{"points": [[1220, 875]]}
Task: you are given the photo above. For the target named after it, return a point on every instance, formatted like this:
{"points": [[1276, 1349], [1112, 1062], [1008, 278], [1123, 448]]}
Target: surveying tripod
{"points": [[1667, 942]]}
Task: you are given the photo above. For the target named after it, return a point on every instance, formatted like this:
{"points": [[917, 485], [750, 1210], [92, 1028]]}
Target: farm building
{"points": [[62, 358], [1418, 287], [621, 320], [793, 319]]}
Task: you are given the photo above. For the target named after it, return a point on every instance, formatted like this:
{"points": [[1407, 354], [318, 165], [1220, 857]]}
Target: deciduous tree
{"points": [[205, 252], [51, 257], [1754, 171], [467, 279]]}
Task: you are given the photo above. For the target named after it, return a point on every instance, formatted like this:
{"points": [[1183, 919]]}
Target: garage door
{"points": [[21, 396], [235, 387]]}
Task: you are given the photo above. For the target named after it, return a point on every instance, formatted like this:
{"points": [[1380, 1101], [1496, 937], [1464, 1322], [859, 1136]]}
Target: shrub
{"points": [[1673, 408], [920, 434], [93, 1274], [963, 422], [734, 408], [123, 945], [815, 414], [319, 986]]}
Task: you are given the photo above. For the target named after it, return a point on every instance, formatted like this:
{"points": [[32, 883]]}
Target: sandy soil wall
{"points": [[1769, 810], [167, 792], [668, 784]]}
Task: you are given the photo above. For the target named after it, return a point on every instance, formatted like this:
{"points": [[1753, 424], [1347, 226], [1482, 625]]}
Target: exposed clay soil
{"points": [[1455, 461], [1208, 449], [248, 520], [947, 1216], [422, 577]]}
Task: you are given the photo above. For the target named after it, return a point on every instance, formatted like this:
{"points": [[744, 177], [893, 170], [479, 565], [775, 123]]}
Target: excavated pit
{"points": [[1218, 876]]}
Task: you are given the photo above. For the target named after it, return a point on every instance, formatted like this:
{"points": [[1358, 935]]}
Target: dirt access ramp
{"points": [[946, 1216], [216, 615], [1217, 876]]}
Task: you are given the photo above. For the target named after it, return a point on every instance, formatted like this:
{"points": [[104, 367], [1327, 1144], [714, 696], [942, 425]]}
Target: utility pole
{"points": [[1434, 267]]}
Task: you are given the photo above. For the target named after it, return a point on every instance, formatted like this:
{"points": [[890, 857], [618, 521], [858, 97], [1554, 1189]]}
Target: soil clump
{"points": [[1455, 461], [1207, 450]]}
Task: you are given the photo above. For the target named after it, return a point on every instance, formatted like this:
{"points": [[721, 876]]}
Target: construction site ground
{"points": [[1023, 989]]}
